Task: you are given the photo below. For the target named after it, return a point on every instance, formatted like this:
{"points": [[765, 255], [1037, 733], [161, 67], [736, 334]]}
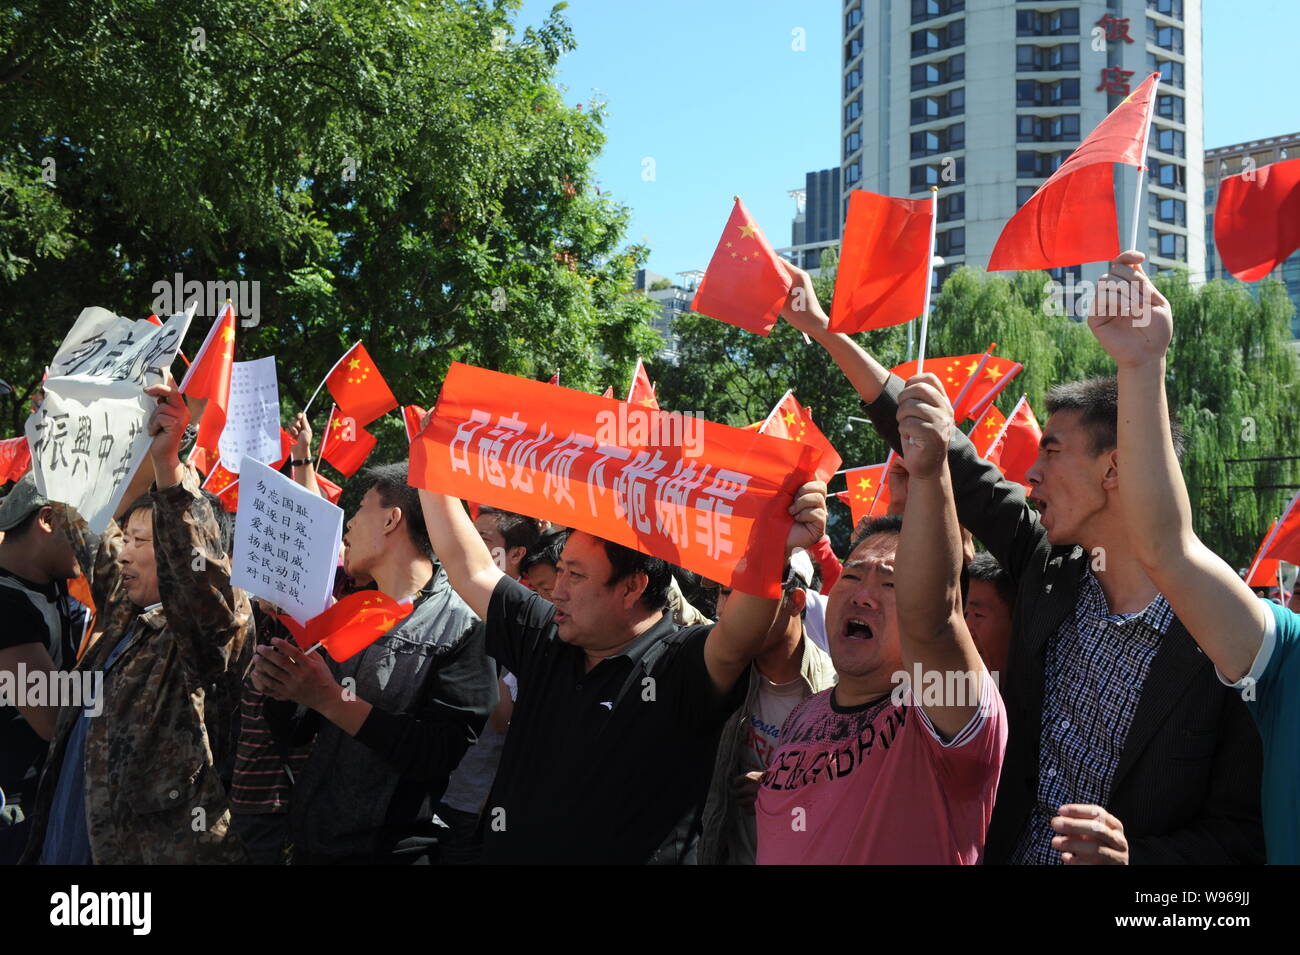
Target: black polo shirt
{"points": [[587, 775]]}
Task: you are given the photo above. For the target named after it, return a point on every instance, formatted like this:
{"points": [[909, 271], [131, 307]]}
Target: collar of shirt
{"points": [[1092, 606], [637, 649]]}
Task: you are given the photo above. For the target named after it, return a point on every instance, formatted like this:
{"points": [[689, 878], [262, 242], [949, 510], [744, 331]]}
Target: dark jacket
{"points": [[432, 687], [1188, 781]]}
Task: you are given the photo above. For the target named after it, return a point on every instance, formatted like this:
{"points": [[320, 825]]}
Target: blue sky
{"points": [[715, 94]]}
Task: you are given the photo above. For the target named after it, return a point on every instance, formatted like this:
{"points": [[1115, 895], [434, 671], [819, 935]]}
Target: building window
{"points": [[853, 48], [1170, 8], [853, 109], [1169, 38], [1168, 141], [939, 72], [952, 206], [951, 242], [1170, 175], [1173, 211], [1023, 193], [853, 80], [854, 172], [1047, 23], [948, 172], [852, 143], [1046, 59], [1171, 73], [941, 38], [926, 108], [1047, 129], [1170, 106], [933, 141], [1034, 165], [1167, 245], [1058, 93], [852, 18], [923, 10]]}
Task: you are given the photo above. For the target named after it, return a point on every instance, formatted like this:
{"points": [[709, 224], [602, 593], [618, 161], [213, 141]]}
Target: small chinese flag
{"points": [[209, 377], [1263, 571], [1016, 448], [1285, 544], [1257, 220], [346, 444], [884, 263], [224, 484], [328, 489], [641, 392], [746, 283], [351, 625], [868, 491], [1071, 219], [15, 458], [972, 382], [986, 430], [555, 379], [791, 420], [412, 415], [358, 388]]}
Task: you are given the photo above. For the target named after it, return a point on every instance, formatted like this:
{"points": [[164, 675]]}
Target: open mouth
{"points": [[858, 629]]}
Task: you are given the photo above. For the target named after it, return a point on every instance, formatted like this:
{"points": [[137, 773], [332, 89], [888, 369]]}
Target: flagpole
{"points": [[320, 451], [929, 278], [327, 376], [884, 477], [775, 408], [1137, 192], [984, 360], [1007, 424]]}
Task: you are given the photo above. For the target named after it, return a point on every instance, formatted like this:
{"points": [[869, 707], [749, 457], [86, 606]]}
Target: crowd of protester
{"points": [[1091, 686]]}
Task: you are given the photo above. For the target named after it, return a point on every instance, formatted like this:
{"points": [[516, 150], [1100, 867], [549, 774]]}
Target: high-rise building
{"points": [[986, 98], [1229, 161], [817, 222]]}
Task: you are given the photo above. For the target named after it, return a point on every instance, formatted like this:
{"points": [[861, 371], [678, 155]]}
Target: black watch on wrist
{"points": [[295, 462]]}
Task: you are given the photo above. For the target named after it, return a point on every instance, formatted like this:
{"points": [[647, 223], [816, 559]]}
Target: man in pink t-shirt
{"points": [[862, 773]]}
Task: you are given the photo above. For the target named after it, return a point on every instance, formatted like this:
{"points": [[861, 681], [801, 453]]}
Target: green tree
{"points": [[401, 173]]}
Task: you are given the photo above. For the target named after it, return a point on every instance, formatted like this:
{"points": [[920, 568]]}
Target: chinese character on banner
{"points": [[1116, 27], [1114, 80]]}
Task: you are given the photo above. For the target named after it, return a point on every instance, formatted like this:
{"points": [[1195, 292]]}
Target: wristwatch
{"points": [[297, 463]]}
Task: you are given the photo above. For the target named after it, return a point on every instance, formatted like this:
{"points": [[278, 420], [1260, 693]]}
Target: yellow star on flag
{"points": [[354, 363], [864, 483], [789, 417], [994, 373], [747, 230]]}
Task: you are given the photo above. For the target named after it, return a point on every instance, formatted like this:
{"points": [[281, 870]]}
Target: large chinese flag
{"points": [[791, 420], [1257, 219], [351, 625], [358, 388], [209, 377], [746, 283], [346, 444], [971, 382], [1071, 219], [15, 458], [1263, 571], [986, 430], [1285, 544], [868, 491], [641, 391], [883, 264], [1016, 448]]}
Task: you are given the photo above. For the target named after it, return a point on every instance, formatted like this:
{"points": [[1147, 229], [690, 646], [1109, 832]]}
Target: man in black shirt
{"points": [[42, 627], [616, 725]]}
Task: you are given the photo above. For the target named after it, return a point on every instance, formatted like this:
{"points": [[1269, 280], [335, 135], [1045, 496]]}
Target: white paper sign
{"points": [[89, 435], [253, 415], [286, 542]]}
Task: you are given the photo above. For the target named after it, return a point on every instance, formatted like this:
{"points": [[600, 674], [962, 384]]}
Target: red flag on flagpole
{"points": [[971, 382], [1257, 219], [346, 445], [1071, 219], [358, 388], [1285, 544], [555, 378], [641, 392], [791, 420], [209, 377], [868, 491], [412, 415], [351, 625], [884, 262], [746, 282], [224, 484], [986, 431], [1263, 571], [329, 490], [1016, 448]]}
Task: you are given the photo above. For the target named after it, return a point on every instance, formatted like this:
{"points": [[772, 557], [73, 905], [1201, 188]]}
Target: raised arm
{"points": [[738, 635], [1134, 324], [927, 569], [304, 473], [804, 312], [461, 551]]}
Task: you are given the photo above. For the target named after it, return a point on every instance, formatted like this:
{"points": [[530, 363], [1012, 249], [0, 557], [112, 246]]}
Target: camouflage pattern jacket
{"points": [[153, 791]]}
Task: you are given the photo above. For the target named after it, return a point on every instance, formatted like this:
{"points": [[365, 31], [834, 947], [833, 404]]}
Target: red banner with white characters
{"points": [[704, 496]]}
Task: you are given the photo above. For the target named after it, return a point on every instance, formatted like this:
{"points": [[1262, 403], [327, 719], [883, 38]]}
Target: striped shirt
{"points": [[1096, 665]]}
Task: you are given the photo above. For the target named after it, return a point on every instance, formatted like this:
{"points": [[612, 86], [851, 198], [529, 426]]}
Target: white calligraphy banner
{"points": [[287, 542], [252, 416], [89, 435]]}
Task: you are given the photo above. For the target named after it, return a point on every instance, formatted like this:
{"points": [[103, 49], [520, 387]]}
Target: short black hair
{"points": [[142, 503], [871, 526], [389, 482], [986, 567], [1097, 402], [516, 529], [540, 553], [624, 562]]}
